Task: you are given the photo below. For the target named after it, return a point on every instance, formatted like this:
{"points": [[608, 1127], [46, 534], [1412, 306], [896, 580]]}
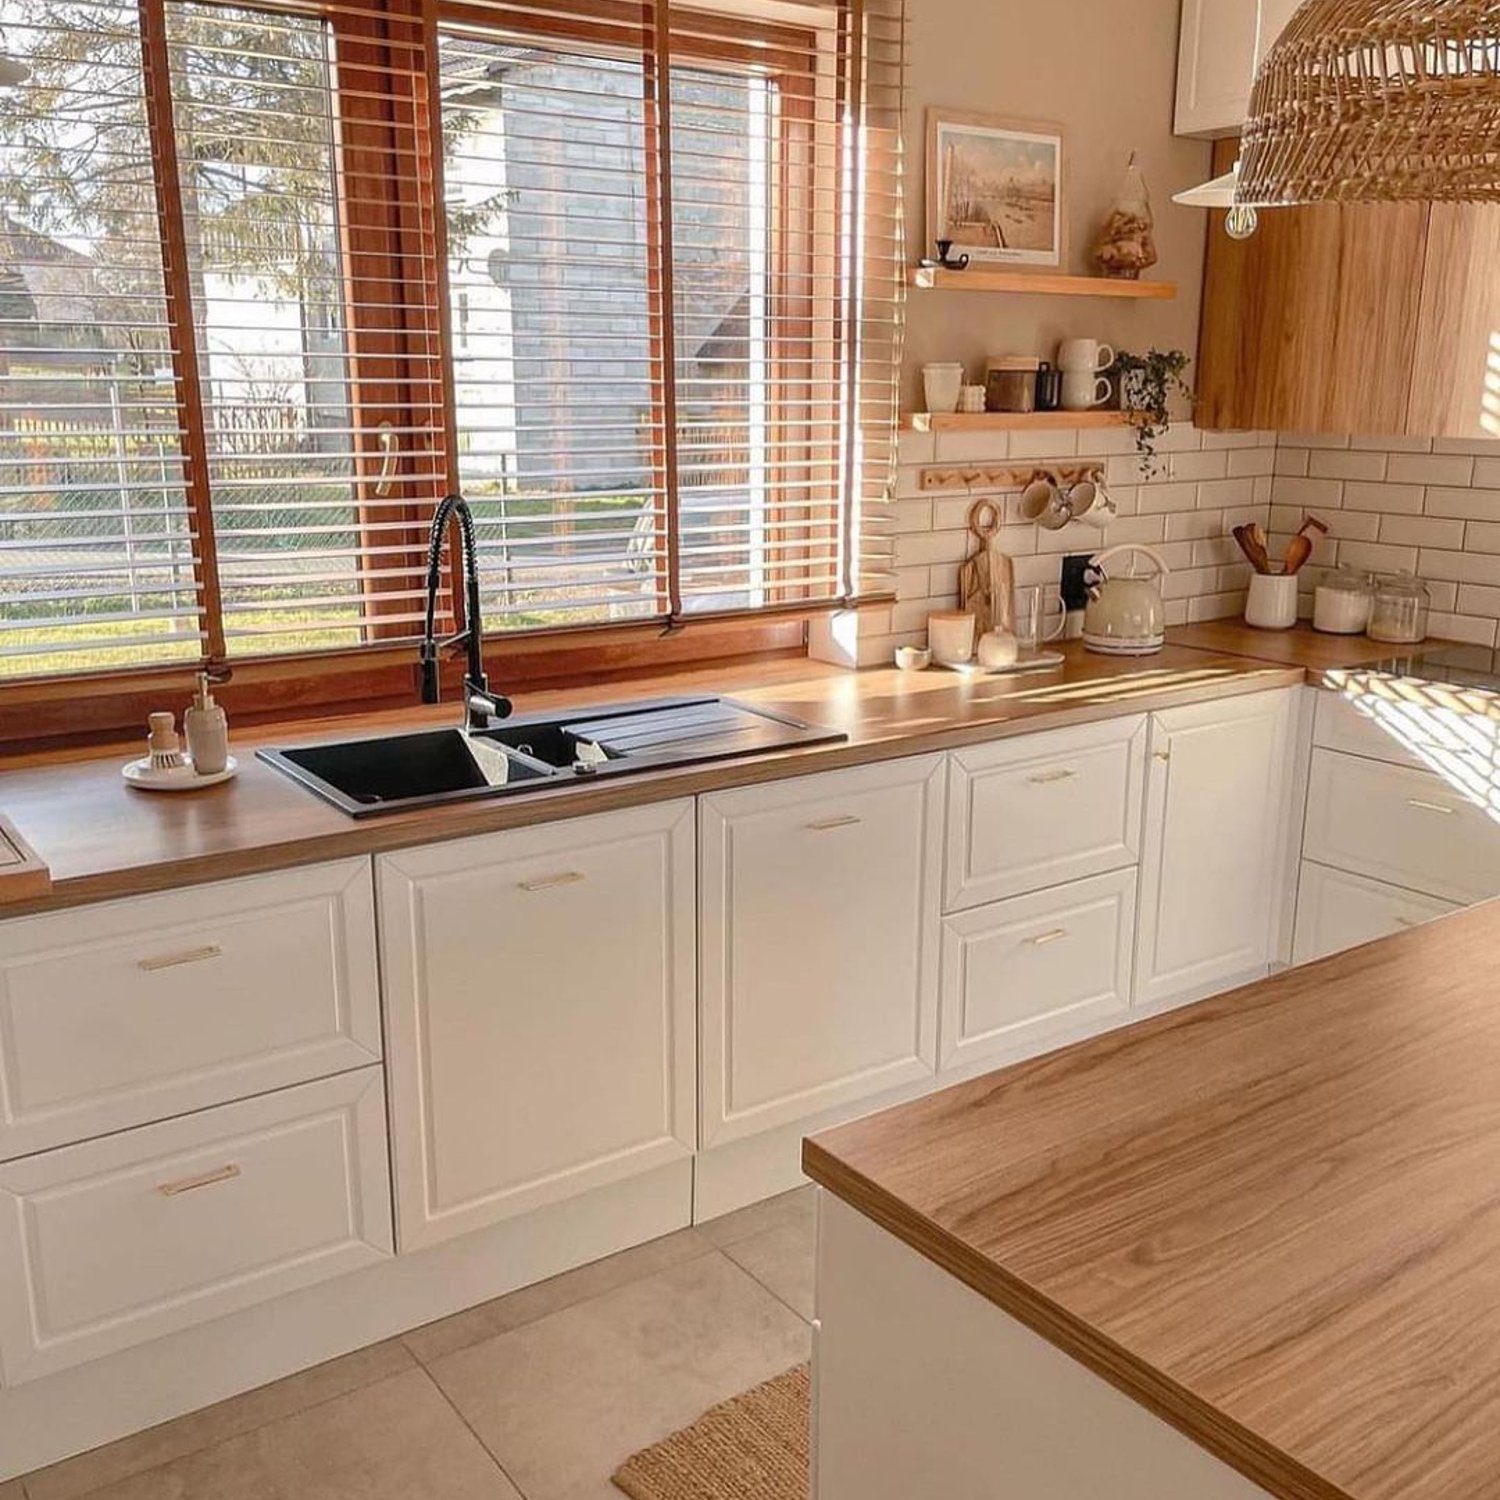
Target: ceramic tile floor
{"points": [[537, 1395]]}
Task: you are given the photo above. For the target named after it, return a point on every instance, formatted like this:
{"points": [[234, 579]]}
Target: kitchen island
{"points": [[1248, 1248]]}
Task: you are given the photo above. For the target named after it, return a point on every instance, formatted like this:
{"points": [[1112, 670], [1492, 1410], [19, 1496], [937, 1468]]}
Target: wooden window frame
{"points": [[394, 225]]}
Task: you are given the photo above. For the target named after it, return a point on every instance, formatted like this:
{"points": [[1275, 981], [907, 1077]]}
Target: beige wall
{"points": [[1107, 73]]}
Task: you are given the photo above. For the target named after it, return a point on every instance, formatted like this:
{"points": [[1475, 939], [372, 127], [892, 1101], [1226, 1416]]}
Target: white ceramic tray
{"points": [[183, 779]]}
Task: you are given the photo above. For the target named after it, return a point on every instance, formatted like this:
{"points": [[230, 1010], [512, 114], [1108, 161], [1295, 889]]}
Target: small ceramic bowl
{"points": [[913, 658]]}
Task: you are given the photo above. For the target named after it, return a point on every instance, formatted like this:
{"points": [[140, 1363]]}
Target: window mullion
{"points": [[851, 170], [658, 113], [156, 65]]}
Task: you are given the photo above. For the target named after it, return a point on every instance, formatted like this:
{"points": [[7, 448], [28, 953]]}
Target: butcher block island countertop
{"points": [[1272, 1218]]}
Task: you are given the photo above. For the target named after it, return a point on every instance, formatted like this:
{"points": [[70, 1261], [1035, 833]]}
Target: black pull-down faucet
{"points": [[480, 704]]}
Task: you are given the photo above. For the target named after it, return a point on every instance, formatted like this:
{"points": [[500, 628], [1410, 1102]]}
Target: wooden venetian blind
{"points": [[98, 545], [674, 270], [275, 278]]}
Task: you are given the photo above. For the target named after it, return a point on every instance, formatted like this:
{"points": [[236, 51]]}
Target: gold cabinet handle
{"points": [[1048, 778], [825, 824], [550, 882], [1043, 938], [227, 1173], [1161, 755], [172, 960], [1436, 807]]}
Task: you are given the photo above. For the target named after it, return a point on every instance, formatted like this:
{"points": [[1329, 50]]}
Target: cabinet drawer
{"points": [[1400, 825], [1044, 809], [819, 938], [116, 1015], [540, 1000], [136, 1235], [1337, 910], [1036, 968], [1339, 725]]}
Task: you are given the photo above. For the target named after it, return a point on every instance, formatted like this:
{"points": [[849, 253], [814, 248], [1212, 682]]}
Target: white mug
{"points": [[942, 385], [1090, 502], [1042, 502], [1084, 354], [950, 636], [1082, 389]]}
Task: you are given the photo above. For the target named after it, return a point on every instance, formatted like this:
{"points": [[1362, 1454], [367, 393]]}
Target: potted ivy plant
{"points": [[1148, 382]]}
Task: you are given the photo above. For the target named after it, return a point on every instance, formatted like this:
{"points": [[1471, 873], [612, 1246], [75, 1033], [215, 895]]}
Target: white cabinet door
{"points": [[539, 1004], [1215, 65], [1274, 15], [819, 940], [1037, 969], [1043, 809], [140, 1234], [1337, 910], [1216, 809]]}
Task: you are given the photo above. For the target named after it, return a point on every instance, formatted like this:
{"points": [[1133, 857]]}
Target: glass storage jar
{"points": [[1010, 383], [1398, 610], [1341, 601]]}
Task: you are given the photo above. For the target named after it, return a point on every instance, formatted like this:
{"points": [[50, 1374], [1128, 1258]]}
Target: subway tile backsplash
{"points": [[1400, 503], [1431, 506], [1201, 486]]}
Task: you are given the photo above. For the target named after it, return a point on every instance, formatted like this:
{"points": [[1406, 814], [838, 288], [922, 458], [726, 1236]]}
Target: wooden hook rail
{"points": [[1007, 476]]}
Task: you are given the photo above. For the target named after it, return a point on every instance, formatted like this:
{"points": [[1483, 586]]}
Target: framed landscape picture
{"points": [[996, 188]]}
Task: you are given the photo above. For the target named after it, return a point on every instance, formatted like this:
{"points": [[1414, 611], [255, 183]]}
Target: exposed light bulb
{"points": [[1241, 222]]}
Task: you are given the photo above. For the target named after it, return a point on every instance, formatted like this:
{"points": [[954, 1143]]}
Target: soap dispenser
{"points": [[207, 731]]}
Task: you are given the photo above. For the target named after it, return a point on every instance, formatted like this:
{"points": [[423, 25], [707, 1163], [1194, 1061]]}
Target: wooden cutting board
{"points": [[23, 875]]}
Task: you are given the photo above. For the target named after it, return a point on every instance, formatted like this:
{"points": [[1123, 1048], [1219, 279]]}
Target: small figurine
{"points": [[946, 260]]}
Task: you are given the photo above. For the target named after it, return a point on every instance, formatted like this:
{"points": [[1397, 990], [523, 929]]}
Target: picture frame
{"points": [[997, 187]]}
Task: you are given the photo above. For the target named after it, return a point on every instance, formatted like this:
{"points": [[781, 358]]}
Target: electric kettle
{"points": [[1125, 615]]}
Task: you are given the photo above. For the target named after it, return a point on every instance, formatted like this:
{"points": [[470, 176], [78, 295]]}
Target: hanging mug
{"points": [[1089, 501]]}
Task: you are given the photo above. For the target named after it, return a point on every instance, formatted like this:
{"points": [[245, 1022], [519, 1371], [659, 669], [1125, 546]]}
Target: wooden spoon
{"points": [[1254, 551], [1299, 549]]}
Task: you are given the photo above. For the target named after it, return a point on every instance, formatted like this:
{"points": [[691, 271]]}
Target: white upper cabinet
{"points": [[820, 938], [1214, 854], [539, 1007], [1219, 47]]}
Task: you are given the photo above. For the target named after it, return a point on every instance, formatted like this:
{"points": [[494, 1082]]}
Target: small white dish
{"points": [[1027, 661], [181, 779], [913, 658]]}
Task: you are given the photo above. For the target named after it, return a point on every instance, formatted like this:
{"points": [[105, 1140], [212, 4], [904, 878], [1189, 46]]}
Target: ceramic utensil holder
{"points": [[1271, 603]]}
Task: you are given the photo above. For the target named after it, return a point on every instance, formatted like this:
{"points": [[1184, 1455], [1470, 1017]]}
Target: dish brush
{"points": [[165, 747]]}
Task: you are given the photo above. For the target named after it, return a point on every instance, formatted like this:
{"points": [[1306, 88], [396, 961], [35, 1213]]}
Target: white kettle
{"points": [[1125, 615]]}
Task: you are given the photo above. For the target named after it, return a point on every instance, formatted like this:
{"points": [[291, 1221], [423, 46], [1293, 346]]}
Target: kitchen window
{"points": [[649, 328]]}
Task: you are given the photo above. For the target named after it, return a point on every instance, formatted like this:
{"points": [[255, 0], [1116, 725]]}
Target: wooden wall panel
{"points": [[1455, 385], [1311, 324]]}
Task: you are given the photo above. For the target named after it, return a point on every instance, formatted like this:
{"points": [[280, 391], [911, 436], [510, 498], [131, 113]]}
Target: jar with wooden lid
{"points": [[1010, 383]]}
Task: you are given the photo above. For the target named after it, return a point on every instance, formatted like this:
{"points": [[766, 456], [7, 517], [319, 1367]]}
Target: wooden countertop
{"points": [[102, 839], [1273, 1217]]}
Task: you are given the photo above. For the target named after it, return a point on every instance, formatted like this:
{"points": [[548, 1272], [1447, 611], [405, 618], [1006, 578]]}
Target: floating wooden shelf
{"points": [[1037, 284], [1010, 421]]}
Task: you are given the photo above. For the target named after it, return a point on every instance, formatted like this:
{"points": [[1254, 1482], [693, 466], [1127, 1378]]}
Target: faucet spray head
{"points": [[429, 672]]}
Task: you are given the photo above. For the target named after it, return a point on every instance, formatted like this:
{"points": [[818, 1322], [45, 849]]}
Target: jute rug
{"points": [[753, 1447]]}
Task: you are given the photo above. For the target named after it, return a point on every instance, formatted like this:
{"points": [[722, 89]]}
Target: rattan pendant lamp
{"points": [[1381, 101]]}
